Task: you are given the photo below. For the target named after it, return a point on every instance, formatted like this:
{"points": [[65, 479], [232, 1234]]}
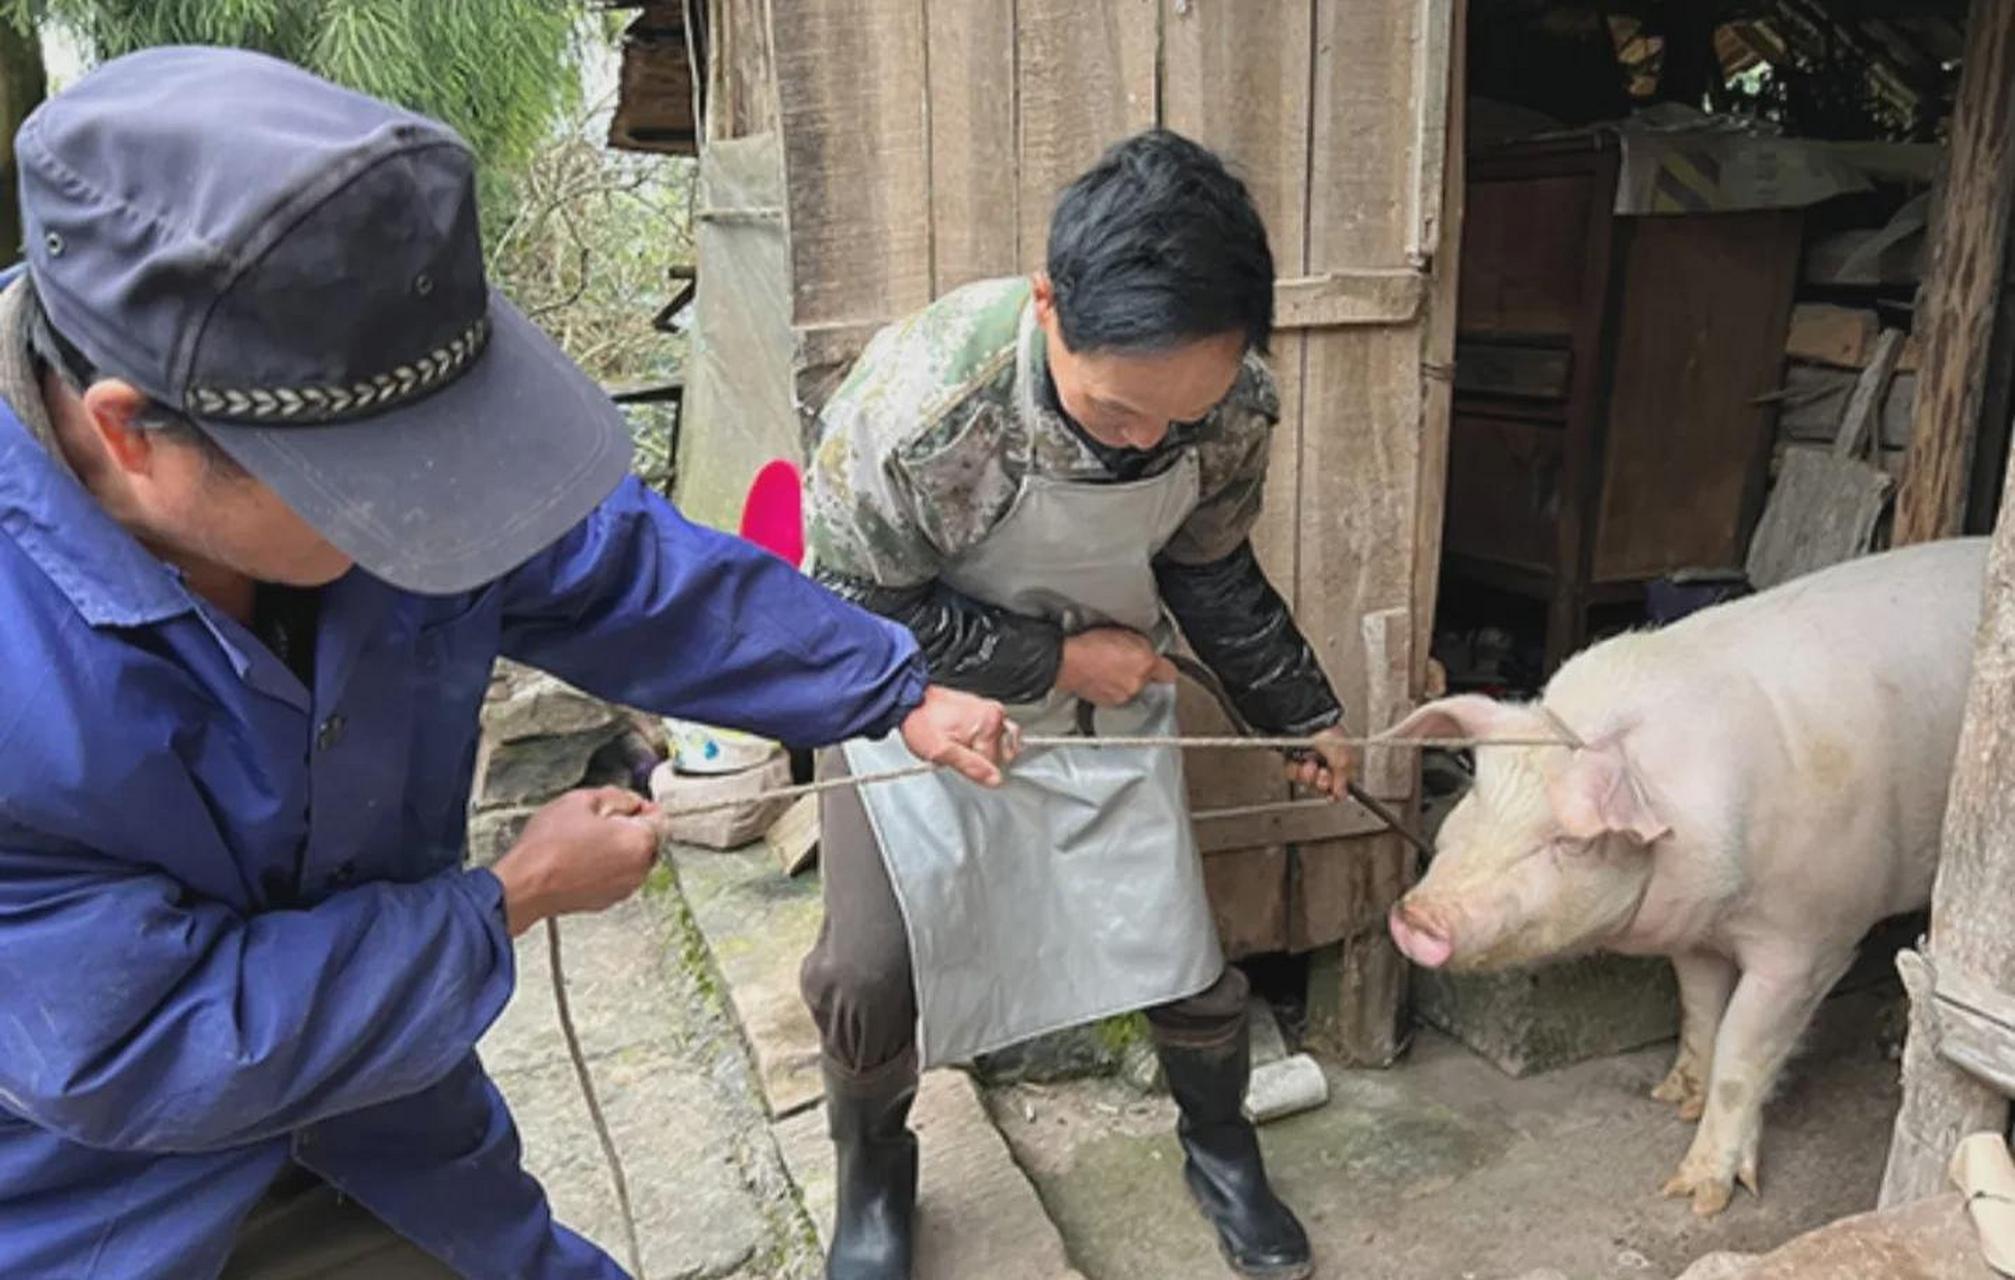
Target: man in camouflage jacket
{"points": [[1148, 329]]}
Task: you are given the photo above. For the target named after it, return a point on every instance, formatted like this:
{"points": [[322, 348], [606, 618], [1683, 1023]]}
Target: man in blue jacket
{"points": [[280, 477]]}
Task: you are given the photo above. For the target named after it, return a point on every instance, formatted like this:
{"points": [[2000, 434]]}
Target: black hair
{"points": [[1159, 244], [78, 372]]}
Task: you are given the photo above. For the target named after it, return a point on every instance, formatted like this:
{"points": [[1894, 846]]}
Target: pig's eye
{"points": [[1566, 847]]}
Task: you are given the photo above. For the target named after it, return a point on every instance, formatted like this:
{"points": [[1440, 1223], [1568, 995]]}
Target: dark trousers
{"points": [[857, 978], [304, 1230]]}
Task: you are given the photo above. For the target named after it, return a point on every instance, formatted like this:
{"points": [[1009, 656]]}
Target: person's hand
{"points": [[586, 851], [1326, 767], [1109, 666], [965, 731]]}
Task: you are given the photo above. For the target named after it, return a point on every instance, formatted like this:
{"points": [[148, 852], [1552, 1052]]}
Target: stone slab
{"points": [[1546, 1018], [720, 829], [758, 924], [696, 1212], [608, 960], [977, 1213], [1930, 1240], [694, 1215]]}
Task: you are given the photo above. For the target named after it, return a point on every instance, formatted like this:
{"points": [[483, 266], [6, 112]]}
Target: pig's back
{"points": [[1905, 618], [1814, 723]]}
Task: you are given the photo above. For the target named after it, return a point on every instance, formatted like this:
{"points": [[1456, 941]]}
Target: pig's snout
{"points": [[1419, 936]]}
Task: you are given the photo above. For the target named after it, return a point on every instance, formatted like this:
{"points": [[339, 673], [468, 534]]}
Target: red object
{"points": [[773, 513]]}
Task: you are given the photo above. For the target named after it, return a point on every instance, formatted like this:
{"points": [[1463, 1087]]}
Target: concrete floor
{"points": [[1445, 1169], [1439, 1169]]}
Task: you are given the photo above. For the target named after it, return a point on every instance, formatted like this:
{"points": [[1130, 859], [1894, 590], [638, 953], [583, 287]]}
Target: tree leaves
{"points": [[503, 73]]}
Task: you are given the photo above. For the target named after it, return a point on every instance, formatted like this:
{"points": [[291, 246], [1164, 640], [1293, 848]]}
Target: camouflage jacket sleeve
{"points": [[1215, 589], [875, 542]]}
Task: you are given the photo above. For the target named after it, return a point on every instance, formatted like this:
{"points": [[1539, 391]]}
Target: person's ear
{"points": [[114, 407]]}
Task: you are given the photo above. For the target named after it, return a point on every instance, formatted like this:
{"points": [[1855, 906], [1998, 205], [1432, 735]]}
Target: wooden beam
{"points": [[1972, 1026], [1963, 287], [1281, 822], [1976, 881], [1347, 298], [1437, 351], [1237, 79]]}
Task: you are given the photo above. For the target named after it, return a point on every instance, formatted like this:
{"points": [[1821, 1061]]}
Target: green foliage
{"points": [[502, 72], [583, 238], [587, 247]]}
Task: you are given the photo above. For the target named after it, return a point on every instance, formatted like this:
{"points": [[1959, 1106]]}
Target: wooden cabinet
{"points": [[1606, 427]]}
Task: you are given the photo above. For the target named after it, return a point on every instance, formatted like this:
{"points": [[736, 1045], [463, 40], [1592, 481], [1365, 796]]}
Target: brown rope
{"points": [[579, 1058], [1228, 742]]}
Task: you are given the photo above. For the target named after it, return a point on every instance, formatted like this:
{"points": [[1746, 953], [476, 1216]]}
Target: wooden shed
{"points": [[861, 157]]}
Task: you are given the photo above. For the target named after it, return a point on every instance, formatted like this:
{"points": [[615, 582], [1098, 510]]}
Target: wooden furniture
{"points": [[1605, 428]]}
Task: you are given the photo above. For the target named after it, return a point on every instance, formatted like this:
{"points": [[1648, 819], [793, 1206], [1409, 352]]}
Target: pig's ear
{"points": [[1596, 795], [1468, 715]]}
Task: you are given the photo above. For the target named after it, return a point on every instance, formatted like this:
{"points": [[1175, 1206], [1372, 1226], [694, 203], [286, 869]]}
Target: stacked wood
{"points": [[1826, 351]]}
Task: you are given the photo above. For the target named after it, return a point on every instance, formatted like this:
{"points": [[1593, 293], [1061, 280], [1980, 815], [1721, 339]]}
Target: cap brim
{"points": [[457, 489]]}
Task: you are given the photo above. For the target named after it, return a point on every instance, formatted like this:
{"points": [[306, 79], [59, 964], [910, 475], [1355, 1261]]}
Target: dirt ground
{"points": [[1445, 1169]]}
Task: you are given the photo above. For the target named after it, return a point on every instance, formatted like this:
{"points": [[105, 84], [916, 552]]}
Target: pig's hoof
{"points": [[1710, 1201], [1746, 1175], [1710, 1195], [1685, 1090]]}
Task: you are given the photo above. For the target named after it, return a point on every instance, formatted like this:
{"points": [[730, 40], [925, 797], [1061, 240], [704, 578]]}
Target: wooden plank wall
{"points": [[1360, 462], [925, 143], [1239, 83]]}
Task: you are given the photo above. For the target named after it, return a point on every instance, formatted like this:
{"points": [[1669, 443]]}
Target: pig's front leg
{"points": [[1705, 982], [1770, 1009]]}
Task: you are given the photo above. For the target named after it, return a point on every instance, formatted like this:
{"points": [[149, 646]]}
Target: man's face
{"points": [[1129, 400], [197, 510], [228, 518]]}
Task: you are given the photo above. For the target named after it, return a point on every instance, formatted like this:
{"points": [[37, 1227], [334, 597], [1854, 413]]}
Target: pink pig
{"points": [[1759, 785]]}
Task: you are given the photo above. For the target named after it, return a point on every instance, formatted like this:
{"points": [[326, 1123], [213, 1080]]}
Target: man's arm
{"points": [[1217, 593], [871, 542], [1242, 630], [641, 606], [966, 644], [136, 1017]]}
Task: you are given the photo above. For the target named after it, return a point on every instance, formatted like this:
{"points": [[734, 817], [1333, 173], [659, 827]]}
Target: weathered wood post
{"points": [[1971, 954], [1972, 946], [1962, 288]]}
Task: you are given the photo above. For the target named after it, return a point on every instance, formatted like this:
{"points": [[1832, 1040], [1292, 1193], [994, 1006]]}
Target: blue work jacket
{"points": [[235, 928]]}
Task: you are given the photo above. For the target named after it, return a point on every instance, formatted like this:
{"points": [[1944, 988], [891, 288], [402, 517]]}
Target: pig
{"points": [[1751, 789]]}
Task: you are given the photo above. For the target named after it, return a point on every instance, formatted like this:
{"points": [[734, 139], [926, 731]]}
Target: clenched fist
{"points": [[1109, 666], [586, 851], [1326, 767]]}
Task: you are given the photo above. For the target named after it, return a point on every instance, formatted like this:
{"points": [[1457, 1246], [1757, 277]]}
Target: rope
{"points": [[580, 1060], [1039, 741]]}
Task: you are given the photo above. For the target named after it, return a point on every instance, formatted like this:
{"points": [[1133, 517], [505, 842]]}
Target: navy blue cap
{"points": [[297, 267]]}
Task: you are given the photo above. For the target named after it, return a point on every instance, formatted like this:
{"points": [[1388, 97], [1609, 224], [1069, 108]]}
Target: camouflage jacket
{"points": [[922, 449]]}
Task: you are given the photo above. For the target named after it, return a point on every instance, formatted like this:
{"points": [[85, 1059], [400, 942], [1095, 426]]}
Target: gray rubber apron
{"points": [[1074, 890]]}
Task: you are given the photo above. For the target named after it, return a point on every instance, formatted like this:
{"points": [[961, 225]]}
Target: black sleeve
{"points": [[966, 644], [1241, 628]]}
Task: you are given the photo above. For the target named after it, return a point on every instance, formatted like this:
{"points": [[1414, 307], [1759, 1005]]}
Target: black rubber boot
{"points": [[868, 1116], [1258, 1235]]}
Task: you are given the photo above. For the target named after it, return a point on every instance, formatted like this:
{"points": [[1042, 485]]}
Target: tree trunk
{"points": [[22, 85]]}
